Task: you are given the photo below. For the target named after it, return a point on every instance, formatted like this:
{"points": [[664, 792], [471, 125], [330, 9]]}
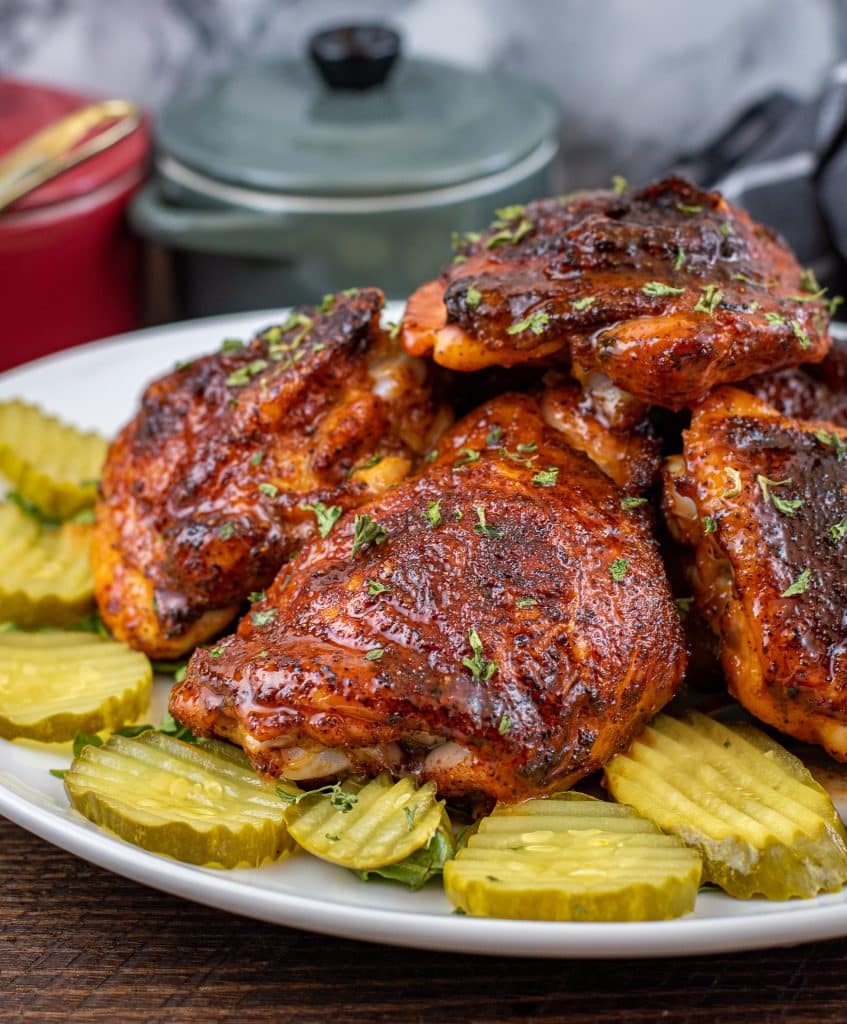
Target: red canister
{"points": [[70, 269]]}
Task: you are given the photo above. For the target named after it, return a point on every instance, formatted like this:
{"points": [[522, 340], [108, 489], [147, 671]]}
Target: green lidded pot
{"points": [[287, 180]]}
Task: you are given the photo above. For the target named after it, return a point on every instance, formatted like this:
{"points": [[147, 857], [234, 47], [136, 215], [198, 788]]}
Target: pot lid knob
{"points": [[355, 57]]}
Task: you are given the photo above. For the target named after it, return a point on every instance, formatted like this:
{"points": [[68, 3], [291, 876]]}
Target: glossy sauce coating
{"points": [[202, 492], [578, 642], [771, 558], [586, 279], [817, 392]]}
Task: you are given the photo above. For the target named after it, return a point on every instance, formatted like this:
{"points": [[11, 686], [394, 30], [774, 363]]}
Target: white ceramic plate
{"points": [[96, 387]]}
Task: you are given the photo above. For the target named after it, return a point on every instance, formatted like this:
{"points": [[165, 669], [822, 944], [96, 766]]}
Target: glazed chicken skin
{"points": [[817, 392], [498, 624], [667, 291], [204, 493], [762, 499]]}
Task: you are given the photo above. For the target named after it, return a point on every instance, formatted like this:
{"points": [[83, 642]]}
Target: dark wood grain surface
{"points": [[79, 944]]}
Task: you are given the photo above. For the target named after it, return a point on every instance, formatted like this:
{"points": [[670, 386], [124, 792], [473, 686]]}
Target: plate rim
{"points": [[686, 936]]}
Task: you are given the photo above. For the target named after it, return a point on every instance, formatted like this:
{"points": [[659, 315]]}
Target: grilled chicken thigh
{"points": [[237, 459], [817, 392], [499, 624], [667, 291], [762, 499]]}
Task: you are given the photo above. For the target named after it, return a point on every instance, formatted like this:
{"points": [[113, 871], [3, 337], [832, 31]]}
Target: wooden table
{"points": [[79, 944]]}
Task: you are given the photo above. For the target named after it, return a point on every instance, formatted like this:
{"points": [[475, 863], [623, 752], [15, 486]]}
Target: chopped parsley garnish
{"points": [[832, 440], [432, 514], [255, 596], [460, 241], [546, 477], [182, 364], [473, 297], [332, 837], [509, 236], [457, 514], [709, 300], [735, 489], [726, 227], [256, 459], [492, 438], [231, 345], [374, 460], [802, 337], [787, 506], [264, 618], [679, 258], [683, 606], [658, 288], [431, 456], [481, 526], [800, 585], [326, 517], [710, 524], [327, 302], [619, 184], [632, 502], [243, 374], [535, 322], [689, 210], [525, 602], [271, 490], [375, 588], [808, 281], [480, 667], [506, 214], [366, 531], [466, 456], [618, 569], [578, 305], [374, 654], [524, 460], [226, 530], [505, 725], [216, 652], [393, 330], [837, 532], [775, 320], [339, 798], [410, 813]]}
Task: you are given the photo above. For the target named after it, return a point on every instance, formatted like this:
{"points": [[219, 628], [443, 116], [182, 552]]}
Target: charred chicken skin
{"points": [[816, 392], [499, 624], [237, 459], [762, 499], [667, 291]]}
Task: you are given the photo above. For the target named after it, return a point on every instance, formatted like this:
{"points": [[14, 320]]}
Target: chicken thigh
{"points": [[238, 458], [762, 499], [500, 624]]}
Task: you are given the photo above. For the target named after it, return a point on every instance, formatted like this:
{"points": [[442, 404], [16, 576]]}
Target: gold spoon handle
{"points": [[57, 147]]}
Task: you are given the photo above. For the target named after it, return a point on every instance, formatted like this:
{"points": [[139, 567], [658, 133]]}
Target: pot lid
{"points": [[27, 108], [354, 123]]}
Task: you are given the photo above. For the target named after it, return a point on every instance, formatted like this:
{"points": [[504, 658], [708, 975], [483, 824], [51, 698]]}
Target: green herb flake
{"points": [[466, 456], [326, 516], [531, 446], [229, 345], [504, 725], [618, 569], [632, 502], [366, 531], [256, 459], [689, 211], [327, 302], [619, 184], [432, 514], [509, 236], [578, 305], [374, 460], [216, 652], [837, 532], [482, 527], [375, 588], [431, 456], [375, 654], [802, 337], [269, 489], [535, 322], [726, 227], [480, 667], [473, 297], [787, 506], [179, 675], [710, 299], [226, 530], [775, 320], [255, 596], [525, 602], [546, 477], [735, 487], [659, 288], [410, 813], [710, 524], [832, 440], [800, 585], [493, 437], [679, 259], [683, 606], [263, 618]]}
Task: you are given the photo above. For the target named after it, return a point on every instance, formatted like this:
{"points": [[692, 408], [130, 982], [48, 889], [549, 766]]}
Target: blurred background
{"points": [[271, 184]]}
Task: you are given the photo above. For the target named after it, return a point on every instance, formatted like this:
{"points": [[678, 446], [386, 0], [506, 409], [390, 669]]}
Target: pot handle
{"points": [[228, 232]]}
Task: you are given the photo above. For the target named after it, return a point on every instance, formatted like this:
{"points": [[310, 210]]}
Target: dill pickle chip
{"points": [[53, 684], [45, 572], [48, 462], [195, 803], [572, 860], [762, 824], [368, 827]]}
